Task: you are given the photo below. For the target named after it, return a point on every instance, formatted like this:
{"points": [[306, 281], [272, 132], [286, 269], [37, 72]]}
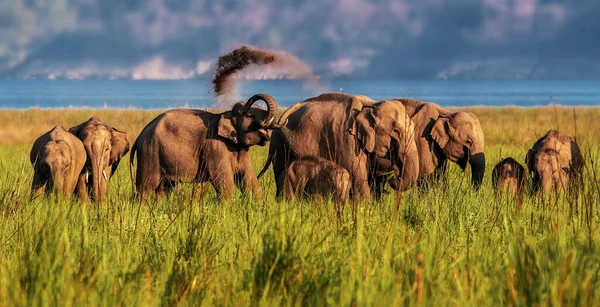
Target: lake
{"points": [[21, 94]]}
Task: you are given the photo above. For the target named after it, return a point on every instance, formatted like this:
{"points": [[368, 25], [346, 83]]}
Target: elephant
{"points": [[192, 145], [105, 146], [443, 135], [57, 158], [555, 161], [350, 131], [383, 171], [509, 176], [316, 176]]}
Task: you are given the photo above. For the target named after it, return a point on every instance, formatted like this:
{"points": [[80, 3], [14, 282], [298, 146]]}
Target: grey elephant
{"points": [[57, 158], [193, 145], [509, 176], [349, 130], [314, 176], [442, 135], [555, 162], [105, 146]]}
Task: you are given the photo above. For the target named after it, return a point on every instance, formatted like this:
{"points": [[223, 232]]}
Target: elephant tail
{"points": [[267, 164], [131, 171]]}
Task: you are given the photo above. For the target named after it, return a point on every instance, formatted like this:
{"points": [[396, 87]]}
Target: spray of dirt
{"points": [[249, 63]]}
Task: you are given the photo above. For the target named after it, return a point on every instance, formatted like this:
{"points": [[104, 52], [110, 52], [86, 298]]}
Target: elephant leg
{"points": [[249, 182], [147, 182], [38, 186], [163, 188], [292, 188], [81, 189], [278, 170], [220, 176], [281, 161]]}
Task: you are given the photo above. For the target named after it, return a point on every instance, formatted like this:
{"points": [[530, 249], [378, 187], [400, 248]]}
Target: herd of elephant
{"points": [[344, 146]]}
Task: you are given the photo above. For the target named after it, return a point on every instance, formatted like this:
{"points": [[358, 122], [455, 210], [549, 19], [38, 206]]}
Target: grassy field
{"points": [[446, 246]]}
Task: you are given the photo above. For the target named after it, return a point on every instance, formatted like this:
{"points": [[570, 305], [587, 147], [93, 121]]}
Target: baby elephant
{"points": [[57, 158], [555, 161], [509, 176], [316, 176]]}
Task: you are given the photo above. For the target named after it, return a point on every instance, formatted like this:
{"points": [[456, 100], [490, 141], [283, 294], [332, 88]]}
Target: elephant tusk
{"points": [[87, 177], [105, 177], [267, 124]]}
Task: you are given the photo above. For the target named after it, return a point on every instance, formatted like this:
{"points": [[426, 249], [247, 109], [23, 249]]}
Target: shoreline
{"points": [[284, 108]]}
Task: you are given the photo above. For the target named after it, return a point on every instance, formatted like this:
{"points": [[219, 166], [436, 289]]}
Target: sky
{"points": [[358, 39]]}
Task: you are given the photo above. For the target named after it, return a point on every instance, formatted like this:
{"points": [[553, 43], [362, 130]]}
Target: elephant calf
{"points": [[104, 146], [509, 176], [57, 158], [555, 161], [316, 176]]}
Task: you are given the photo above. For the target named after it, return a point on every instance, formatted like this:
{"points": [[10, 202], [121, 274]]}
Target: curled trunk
{"points": [[271, 108]]}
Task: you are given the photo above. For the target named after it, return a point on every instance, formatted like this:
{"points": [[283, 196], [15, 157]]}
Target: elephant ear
{"points": [[441, 131], [362, 127], [226, 129], [576, 158], [119, 147]]}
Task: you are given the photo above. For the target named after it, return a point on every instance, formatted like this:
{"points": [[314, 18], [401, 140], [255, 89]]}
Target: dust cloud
{"points": [[250, 63]]}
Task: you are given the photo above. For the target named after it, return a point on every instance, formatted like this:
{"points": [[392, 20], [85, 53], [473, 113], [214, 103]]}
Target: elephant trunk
{"points": [[271, 108], [410, 167], [99, 184], [477, 162], [58, 179]]}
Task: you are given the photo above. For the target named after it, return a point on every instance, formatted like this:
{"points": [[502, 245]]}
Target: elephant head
{"points": [[387, 134], [509, 176], [555, 160], [551, 169], [460, 137], [55, 164], [105, 146], [246, 125]]}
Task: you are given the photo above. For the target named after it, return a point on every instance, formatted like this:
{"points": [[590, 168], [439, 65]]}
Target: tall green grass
{"points": [[446, 246]]}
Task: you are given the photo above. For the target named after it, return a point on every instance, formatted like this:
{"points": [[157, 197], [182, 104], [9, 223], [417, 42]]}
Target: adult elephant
{"points": [[349, 130], [443, 135], [193, 145], [555, 162], [105, 146], [57, 158]]}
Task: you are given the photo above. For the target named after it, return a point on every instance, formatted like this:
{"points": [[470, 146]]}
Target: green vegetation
{"points": [[446, 246]]}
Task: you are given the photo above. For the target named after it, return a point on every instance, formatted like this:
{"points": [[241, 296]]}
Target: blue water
{"points": [[21, 94]]}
